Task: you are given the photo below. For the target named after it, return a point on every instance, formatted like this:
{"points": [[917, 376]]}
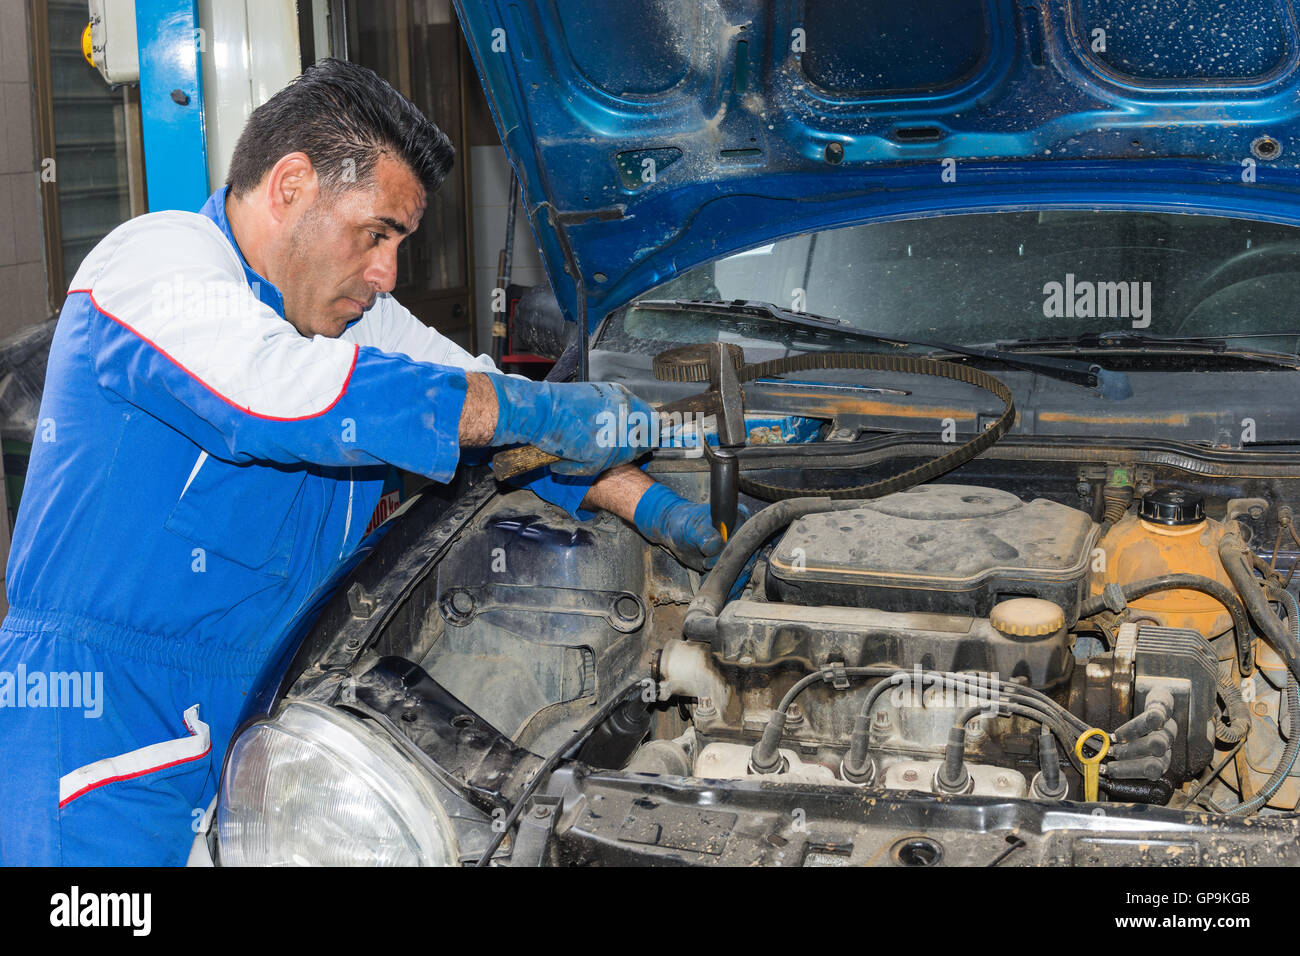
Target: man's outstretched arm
{"points": [[204, 355], [680, 525], [664, 517], [478, 416]]}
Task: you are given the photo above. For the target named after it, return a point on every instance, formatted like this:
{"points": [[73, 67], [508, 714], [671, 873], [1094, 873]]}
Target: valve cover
{"points": [[947, 549]]}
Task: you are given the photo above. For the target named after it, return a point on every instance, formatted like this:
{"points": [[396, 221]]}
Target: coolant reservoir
{"points": [[1169, 535]]}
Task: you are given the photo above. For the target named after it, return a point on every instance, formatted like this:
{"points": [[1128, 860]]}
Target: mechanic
{"points": [[225, 395]]}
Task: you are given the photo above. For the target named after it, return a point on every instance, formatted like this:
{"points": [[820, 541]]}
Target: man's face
{"points": [[343, 249]]}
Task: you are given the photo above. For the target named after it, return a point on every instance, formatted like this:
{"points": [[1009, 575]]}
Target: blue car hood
{"points": [[651, 136]]}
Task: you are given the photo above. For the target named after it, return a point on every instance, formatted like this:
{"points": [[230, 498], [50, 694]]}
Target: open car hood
{"points": [[654, 135]]}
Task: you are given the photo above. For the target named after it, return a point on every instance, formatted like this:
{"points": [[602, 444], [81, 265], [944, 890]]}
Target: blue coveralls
{"points": [[199, 470]]}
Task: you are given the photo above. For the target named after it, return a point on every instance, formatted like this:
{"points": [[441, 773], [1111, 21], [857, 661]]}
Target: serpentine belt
{"points": [[905, 364], [681, 368]]}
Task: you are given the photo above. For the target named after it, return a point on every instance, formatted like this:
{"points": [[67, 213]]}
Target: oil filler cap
{"points": [[1027, 617], [1172, 507]]}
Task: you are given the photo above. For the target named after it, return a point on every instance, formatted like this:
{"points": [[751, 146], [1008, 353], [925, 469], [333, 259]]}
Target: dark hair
{"points": [[337, 112]]}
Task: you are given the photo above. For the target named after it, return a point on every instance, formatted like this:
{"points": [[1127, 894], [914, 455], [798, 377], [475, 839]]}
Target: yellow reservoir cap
{"points": [[1027, 617]]}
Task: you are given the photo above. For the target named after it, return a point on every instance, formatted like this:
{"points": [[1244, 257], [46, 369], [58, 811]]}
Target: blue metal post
{"points": [[171, 104]]}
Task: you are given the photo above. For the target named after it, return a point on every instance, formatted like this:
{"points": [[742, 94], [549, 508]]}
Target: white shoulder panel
{"points": [[174, 280], [390, 327]]}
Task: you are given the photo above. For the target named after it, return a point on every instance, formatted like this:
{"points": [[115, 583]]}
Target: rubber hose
{"points": [[1284, 765], [1242, 575], [1190, 582], [1237, 724], [1282, 639], [1282, 596], [702, 615]]}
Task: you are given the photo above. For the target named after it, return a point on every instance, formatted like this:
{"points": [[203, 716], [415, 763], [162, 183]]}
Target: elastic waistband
{"points": [[165, 650]]}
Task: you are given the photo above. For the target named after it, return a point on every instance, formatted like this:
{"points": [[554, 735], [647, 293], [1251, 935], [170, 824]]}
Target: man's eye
{"points": [[376, 236]]}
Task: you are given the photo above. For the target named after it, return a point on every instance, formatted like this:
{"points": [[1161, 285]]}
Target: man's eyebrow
{"points": [[393, 224]]}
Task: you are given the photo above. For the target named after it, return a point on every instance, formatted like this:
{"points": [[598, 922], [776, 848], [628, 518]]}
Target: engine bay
{"points": [[957, 637]]}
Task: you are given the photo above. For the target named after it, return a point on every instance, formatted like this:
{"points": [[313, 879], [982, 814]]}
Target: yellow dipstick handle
{"points": [[1091, 765]]}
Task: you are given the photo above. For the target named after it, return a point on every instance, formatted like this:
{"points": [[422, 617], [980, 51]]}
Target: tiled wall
{"points": [[22, 269]]}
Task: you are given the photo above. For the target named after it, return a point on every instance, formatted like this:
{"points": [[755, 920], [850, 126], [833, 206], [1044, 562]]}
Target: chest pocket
{"points": [[247, 514]]}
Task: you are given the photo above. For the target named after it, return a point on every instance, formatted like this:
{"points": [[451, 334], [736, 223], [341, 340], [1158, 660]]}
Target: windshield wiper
{"points": [[1126, 339], [1111, 384]]}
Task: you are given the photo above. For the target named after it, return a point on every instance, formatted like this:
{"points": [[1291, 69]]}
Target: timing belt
{"points": [[905, 364]]}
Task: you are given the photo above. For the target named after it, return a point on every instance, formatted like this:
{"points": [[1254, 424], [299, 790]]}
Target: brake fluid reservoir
{"points": [[1169, 535]]}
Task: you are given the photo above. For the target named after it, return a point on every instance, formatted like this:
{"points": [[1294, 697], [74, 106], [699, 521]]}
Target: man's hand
{"points": [[681, 526], [592, 426]]}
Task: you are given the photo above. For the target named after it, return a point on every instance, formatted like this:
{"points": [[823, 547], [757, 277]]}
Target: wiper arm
{"points": [[763, 311], [1122, 339], [1112, 385], [1118, 339]]}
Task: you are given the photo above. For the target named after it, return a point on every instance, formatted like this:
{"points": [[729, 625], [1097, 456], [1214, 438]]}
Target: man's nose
{"points": [[381, 273]]}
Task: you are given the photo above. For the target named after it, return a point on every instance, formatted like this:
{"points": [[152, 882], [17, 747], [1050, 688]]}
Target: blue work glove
{"points": [[564, 491], [592, 426], [681, 526]]}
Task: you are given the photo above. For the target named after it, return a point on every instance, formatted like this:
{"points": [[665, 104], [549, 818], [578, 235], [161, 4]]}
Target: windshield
{"points": [[984, 278]]}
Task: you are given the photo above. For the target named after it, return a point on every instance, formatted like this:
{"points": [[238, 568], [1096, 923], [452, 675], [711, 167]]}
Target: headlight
{"points": [[316, 787]]}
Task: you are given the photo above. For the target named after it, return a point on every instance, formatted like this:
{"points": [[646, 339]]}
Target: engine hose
{"points": [[790, 503], [906, 364], [1232, 553], [1293, 618], [1292, 749], [702, 616], [1284, 765], [1265, 569], [1193, 582], [1242, 575], [1237, 724]]}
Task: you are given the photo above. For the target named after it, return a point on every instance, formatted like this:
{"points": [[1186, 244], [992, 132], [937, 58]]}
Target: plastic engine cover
{"points": [[950, 549]]}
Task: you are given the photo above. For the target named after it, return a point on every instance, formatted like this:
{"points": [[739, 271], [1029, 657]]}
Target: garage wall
{"points": [[490, 183], [22, 268]]}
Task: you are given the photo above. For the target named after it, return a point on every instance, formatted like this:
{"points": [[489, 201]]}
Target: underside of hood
{"points": [[654, 135]]}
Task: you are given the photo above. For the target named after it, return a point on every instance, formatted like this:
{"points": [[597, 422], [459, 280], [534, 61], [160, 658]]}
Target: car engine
{"points": [[949, 638], [945, 579]]}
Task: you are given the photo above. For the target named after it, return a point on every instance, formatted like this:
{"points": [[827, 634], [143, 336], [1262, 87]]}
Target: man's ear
{"points": [[291, 187]]}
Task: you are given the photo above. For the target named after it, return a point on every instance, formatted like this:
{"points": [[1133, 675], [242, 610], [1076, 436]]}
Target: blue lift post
{"points": [[171, 104]]}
